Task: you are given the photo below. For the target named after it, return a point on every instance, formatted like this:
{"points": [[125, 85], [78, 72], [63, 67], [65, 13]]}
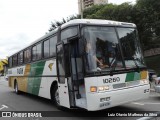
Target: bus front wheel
{"points": [[55, 96]]}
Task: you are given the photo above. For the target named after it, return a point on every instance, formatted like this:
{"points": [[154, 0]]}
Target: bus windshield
{"points": [[130, 47], [102, 48]]}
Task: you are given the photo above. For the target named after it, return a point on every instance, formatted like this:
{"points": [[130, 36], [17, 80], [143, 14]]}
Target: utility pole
{"points": [[81, 4]]}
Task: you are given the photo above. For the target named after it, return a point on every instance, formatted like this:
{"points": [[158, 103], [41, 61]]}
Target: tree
{"points": [[145, 14], [56, 24], [3, 64], [147, 20]]}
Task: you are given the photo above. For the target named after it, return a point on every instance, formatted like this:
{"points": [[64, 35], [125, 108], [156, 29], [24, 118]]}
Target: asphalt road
{"points": [[9, 101]]}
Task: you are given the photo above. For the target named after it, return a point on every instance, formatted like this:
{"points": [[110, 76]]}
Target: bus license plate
{"points": [[105, 104]]}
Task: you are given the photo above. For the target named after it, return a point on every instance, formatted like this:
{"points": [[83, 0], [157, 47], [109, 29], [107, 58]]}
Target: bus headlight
{"points": [[144, 81], [103, 88], [99, 88]]}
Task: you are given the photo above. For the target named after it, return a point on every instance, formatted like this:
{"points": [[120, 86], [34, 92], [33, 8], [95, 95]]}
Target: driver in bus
{"points": [[91, 58], [103, 64]]}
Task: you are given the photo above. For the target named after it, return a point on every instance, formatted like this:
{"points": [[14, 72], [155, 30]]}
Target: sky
{"points": [[24, 21]]}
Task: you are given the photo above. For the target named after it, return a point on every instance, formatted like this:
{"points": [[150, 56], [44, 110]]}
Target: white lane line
{"points": [[152, 89], [136, 103], [152, 103], [147, 103], [3, 106]]}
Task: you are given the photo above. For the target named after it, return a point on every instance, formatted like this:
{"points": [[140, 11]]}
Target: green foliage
{"points": [[145, 14], [56, 24], [92, 10], [147, 20]]}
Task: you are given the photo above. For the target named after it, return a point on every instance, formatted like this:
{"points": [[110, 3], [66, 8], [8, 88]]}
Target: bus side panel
{"points": [[11, 82], [34, 79], [46, 82], [22, 83]]}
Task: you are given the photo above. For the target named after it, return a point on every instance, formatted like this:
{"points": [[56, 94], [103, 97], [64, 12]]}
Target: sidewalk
{"points": [[2, 77]]}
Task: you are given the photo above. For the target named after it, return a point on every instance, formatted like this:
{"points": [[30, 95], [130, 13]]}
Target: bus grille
{"points": [[120, 85], [127, 84]]}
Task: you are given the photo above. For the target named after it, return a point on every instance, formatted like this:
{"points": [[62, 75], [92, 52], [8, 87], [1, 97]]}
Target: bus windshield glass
{"points": [[130, 47], [102, 49]]}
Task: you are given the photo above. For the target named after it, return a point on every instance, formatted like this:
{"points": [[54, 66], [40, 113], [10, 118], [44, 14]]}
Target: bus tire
{"points": [[55, 96], [16, 88]]}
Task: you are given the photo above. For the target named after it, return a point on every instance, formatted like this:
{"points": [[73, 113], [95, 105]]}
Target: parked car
{"points": [[152, 74], [157, 85]]}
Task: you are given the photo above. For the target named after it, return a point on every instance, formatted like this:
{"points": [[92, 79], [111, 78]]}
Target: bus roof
{"points": [[97, 22], [86, 21], [81, 21]]}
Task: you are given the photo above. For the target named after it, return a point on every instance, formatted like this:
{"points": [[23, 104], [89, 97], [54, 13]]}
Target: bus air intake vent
{"points": [[133, 83], [120, 85]]}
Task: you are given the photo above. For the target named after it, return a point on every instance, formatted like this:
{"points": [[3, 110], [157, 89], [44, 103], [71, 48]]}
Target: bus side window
{"points": [[69, 32], [10, 61], [60, 61], [37, 52], [20, 58], [46, 49], [27, 55], [34, 50], [14, 60], [52, 48]]}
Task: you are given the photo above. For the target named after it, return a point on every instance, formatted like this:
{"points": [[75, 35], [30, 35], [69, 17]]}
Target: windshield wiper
{"points": [[135, 62], [113, 61]]}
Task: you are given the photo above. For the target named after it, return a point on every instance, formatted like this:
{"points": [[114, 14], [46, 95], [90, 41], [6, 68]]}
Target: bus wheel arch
{"points": [[55, 94]]}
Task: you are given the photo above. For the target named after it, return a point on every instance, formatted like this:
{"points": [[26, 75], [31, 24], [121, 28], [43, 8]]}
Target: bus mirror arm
{"points": [[72, 39]]}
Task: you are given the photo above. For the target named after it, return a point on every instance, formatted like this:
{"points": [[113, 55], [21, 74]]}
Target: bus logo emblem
{"points": [[50, 66]]}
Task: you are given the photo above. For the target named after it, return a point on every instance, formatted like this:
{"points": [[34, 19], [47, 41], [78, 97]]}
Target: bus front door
{"points": [[62, 81], [77, 77]]}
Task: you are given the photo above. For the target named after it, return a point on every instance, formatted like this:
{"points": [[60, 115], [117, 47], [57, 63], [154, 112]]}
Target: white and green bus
{"points": [[85, 63]]}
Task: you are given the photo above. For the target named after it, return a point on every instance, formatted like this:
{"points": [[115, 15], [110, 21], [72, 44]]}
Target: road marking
{"points": [[136, 103], [152, 89], [3, 106], [152, 103]]}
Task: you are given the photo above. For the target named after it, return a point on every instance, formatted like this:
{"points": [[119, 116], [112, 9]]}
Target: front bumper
{"points": [[117, 97]]}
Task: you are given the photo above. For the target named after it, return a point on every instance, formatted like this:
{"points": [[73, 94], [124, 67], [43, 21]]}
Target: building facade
{"points": [[83, 4]]}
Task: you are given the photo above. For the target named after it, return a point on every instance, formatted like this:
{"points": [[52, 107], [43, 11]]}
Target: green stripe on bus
{"points": [[34, 82], [132, 76], [137, 76]]}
